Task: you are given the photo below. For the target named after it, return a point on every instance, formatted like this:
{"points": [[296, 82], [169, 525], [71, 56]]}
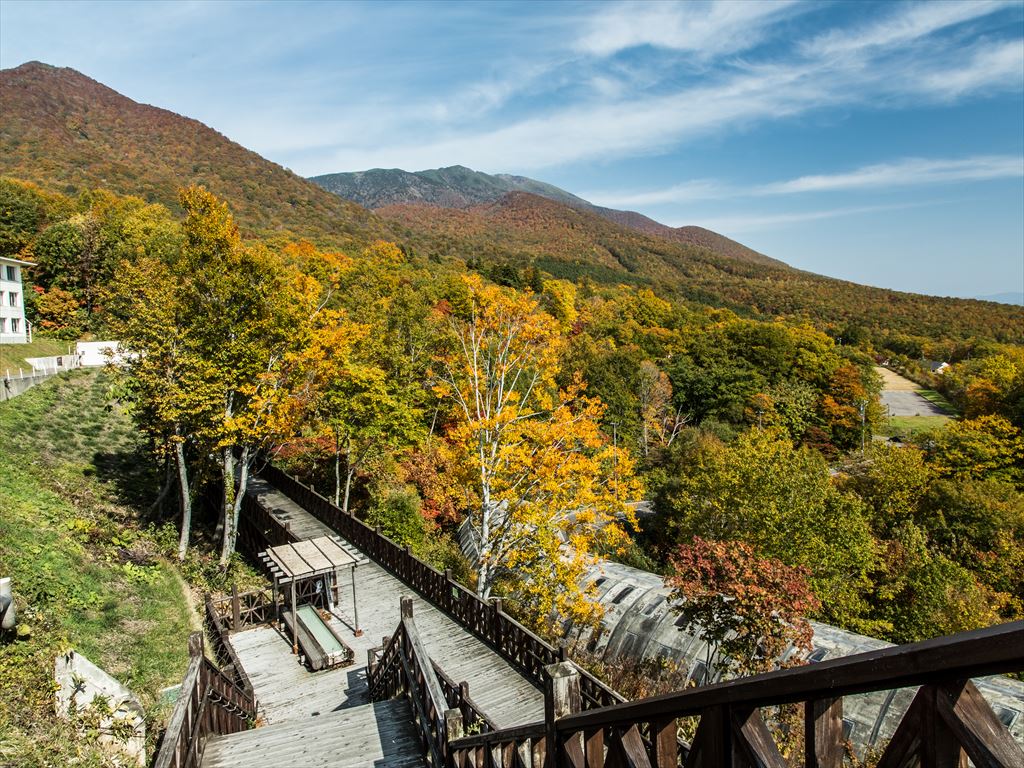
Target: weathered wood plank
{"points": [[506, 696]]}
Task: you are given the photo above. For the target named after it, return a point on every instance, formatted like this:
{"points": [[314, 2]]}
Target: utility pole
{"points": [[862, 406]]}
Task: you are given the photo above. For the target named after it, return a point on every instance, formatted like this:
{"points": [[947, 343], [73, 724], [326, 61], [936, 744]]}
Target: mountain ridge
{"points": [[69, 133], [64, 130], [460, 187]]}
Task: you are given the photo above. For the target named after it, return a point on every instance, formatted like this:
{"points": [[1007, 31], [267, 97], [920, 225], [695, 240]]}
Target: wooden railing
{"points": [[515, 643], [457, 695], [947, 723], [404, 668], [226, 614], [210, 703], [260, 530]]}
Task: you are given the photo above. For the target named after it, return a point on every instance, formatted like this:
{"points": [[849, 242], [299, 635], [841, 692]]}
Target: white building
{"points": [[13, 327]]}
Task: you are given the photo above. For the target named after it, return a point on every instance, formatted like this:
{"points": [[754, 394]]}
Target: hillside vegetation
{"points": [[85, 574], [461, 187], [522, 229], [70, 133]]}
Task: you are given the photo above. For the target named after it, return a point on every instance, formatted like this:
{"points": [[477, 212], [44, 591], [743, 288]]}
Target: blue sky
{"points": [[877, 142]]}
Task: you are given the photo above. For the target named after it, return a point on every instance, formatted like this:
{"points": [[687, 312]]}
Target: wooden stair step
{"points": [[378, 734]]}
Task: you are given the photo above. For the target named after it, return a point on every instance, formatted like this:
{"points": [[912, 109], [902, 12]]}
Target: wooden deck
{"points": [[380, 734], [286, 690]]}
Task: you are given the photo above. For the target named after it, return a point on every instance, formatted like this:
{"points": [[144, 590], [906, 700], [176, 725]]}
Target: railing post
{"points": [[823, 733], [496, 625], [453, 725], [562, 697], [195, 644], [236, 609]]}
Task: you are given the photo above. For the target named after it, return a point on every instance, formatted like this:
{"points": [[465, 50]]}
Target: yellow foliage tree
{"points": [[551, 491]]}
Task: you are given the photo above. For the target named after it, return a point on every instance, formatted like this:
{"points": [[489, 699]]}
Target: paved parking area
{"points": [[904, 403]]}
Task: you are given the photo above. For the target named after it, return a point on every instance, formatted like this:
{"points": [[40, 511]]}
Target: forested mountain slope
{"points": [[461, 187], [452, 187], [69, 133], [521, 229]]}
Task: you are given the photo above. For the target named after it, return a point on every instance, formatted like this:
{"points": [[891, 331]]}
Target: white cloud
{"points": [[912, 22], [886, 72], [759, 221], [904, 173], [706, 29], [988, 65], [687, 191], [907, 172]]}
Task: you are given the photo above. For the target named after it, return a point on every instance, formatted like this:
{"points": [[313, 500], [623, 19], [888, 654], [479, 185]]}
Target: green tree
{"points": [[921, 593], [780, 500], [988, 446], [893, 481]]}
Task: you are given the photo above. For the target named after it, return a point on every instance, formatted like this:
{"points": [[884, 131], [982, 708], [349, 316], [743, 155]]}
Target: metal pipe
{"points": [[355, 607]]}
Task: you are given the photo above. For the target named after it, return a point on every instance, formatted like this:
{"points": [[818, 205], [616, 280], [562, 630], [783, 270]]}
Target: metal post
{"points": [[295, 621], [355, 607]]}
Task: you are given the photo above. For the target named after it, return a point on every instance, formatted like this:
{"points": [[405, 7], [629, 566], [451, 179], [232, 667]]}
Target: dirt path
{"points": [[893, 382]]}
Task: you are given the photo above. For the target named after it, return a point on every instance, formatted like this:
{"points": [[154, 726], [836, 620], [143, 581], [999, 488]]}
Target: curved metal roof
{"points": [[638, 622]]}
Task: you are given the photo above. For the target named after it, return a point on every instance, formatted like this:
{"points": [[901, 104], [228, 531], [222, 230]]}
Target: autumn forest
{"points": [[422, 392]]}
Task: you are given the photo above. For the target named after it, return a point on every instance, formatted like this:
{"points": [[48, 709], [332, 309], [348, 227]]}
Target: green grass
{"points": [[12, 356], [906, 426], [940, 402], [85, 574]]}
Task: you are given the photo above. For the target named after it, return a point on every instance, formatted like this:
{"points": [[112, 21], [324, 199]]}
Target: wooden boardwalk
{"points": [[379, 734], [286, 690]]}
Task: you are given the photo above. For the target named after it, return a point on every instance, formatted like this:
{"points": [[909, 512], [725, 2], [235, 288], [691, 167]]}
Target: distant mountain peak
{"points": [[457, 186]]}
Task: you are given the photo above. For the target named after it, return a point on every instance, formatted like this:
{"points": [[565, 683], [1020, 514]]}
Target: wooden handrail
{"points": [[405, 668], [522, 648], [980, 652], [209, 703], [948, 721]]}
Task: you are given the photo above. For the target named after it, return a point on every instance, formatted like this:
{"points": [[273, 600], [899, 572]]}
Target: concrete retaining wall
{"points": [[14, 386]]}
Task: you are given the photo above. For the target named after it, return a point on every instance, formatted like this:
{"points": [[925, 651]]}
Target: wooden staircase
{"points": [[377, 734]]}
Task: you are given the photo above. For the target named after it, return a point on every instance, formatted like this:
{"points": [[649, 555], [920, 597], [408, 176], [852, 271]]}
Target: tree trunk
{"points": [[484, 570], [236, 507], [157, 507], [337, 472], [350, 472], [186, 499], [227, 506]]}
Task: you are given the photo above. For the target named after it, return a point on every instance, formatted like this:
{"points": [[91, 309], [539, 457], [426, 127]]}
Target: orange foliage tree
{"points": [[747, 609]]}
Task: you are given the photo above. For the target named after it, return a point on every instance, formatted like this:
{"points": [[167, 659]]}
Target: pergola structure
{"points": [[303, 561]]}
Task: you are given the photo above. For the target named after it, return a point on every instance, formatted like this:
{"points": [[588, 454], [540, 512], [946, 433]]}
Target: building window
{"points": [[12, 273], [3, 325], [15, 323], [12, 298]]}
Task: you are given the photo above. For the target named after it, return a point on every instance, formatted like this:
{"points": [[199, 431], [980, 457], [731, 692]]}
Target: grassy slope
{"points": [[68, 473], [906, 426], [12, 356]]}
